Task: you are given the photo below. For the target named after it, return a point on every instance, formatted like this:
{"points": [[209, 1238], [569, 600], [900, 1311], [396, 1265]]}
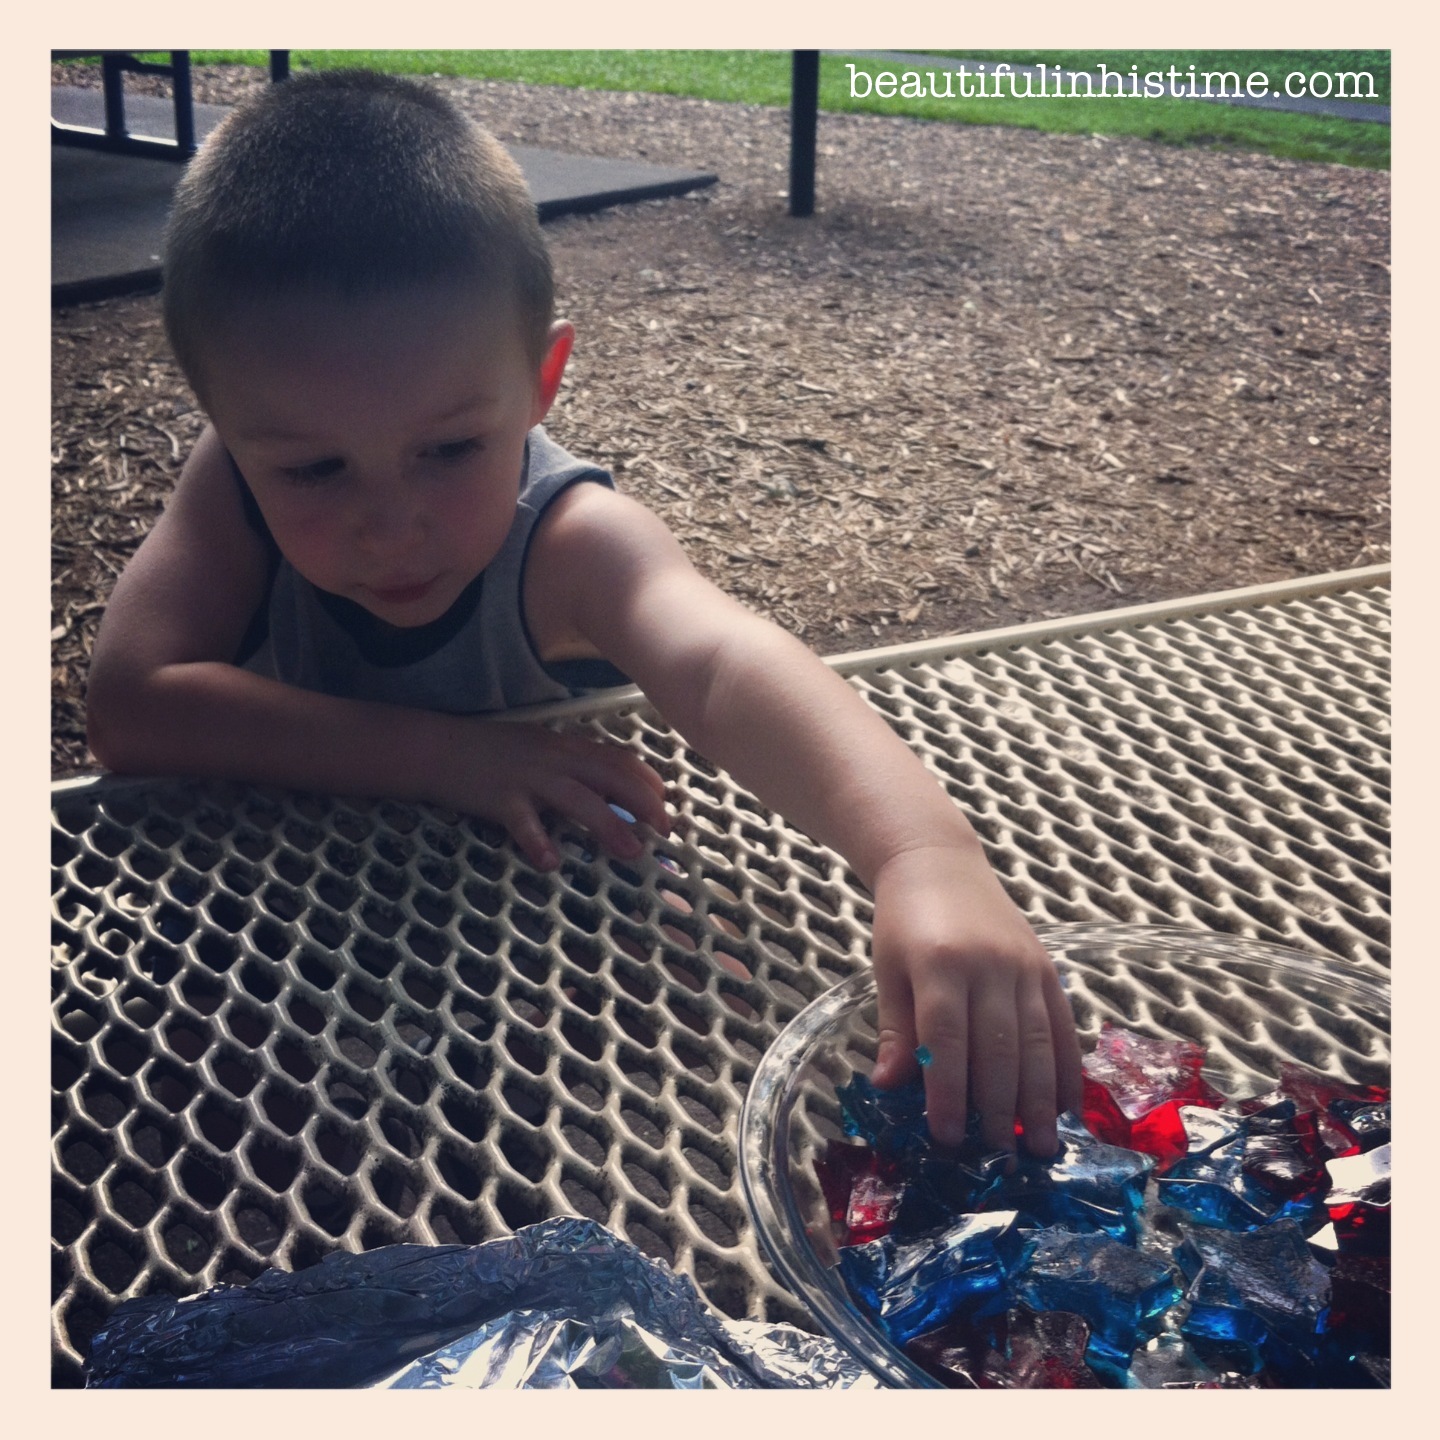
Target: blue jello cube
{"points": [[914, 1288], [1119, 1290], [1248, 1181], [1211, 1187], [1089, 1186], [1253, 1286], [941, 1184], [865, 1270], [892, 1121], [1235, 1362]]}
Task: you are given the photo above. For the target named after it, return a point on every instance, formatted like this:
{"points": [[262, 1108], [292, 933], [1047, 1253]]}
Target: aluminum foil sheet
{"points": [[565, 1304]]}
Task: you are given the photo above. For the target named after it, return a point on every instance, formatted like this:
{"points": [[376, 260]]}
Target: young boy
{"points": [[373, 548]]}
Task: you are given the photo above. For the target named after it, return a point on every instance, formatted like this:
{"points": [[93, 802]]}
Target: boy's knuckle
{"points": [[1001, 1047], [1035, 1035], [938, 957], [891, 1033], [941, 1025]]}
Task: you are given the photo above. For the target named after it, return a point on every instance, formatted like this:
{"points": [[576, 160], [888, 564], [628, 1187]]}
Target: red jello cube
{"points": [[1313, 1094], [955, 1352], [837, 1170], [1134, 1087], [861, 1191], [1361, 1229], [1141, 1073], [871, 1209], [1044, 1351], [1161, 1133], [1103, 1117]]}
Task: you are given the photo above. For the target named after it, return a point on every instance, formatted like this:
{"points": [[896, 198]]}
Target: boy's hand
{"points": [[513, 772], [959, 971]]}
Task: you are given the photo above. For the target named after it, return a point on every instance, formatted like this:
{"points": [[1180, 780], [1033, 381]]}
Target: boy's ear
{"points": [[552, 368]]}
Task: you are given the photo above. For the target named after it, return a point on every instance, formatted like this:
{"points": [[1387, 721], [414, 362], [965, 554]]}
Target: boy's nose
{"points": [[390, 523]]}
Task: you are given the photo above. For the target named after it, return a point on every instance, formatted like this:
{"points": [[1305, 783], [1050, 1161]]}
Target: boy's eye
{"points": [[453, 450], [313, 473]]}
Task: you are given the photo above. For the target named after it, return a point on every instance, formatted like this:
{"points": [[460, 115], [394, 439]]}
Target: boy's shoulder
{"points": [[593, 552], [596, 522], [212, 499]]}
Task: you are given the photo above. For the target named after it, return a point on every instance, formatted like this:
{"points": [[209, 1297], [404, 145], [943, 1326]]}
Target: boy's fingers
{"points": [[895, 1053], [944, 1032], [995, 1046], [1035, 1103], [1069, 1083], [649, 775], [620, 775], [577, 801], [644, 801], [532, 839]]}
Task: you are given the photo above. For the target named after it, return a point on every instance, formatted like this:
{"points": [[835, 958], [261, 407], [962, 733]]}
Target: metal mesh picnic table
{"points": [[288, 1024]]}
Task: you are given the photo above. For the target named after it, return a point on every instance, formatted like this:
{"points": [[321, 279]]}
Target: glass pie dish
{"points": [[1253, 1005]]}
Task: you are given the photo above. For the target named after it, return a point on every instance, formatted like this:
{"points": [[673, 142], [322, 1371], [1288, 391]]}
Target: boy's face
{"points": [[383, 437]]}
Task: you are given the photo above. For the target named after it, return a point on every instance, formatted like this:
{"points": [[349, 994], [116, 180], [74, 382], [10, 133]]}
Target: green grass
{"points": [[762, 77]]}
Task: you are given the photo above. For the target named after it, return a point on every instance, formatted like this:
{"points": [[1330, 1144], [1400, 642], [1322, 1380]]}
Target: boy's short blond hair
{"points": [[347, 183]]}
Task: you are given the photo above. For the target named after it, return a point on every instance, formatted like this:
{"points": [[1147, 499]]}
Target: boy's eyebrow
{"points": [[472, 404]]}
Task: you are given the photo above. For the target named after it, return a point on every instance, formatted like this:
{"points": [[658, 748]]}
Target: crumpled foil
{"points": [[564, 1304]]}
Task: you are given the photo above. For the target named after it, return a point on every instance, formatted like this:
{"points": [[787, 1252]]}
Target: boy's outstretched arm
{"points": [[165, 699], [957, 967]]}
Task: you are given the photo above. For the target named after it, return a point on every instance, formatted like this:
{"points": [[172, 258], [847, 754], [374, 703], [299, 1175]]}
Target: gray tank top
{"points": [[476, 657]]}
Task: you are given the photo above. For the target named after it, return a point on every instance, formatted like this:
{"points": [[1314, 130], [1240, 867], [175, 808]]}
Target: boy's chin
{"points": [[404, 617], [410, 610]]}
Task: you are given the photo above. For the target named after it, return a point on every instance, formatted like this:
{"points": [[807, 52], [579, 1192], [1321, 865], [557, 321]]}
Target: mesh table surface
{"points": [[286, 1024]]}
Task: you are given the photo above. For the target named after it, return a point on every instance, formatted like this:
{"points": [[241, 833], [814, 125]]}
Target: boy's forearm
{"points": [[213, 719], [793, 731]]}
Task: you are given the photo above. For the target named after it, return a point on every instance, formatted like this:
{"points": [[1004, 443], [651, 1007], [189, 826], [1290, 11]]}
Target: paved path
{"points": [[1336, 109]]}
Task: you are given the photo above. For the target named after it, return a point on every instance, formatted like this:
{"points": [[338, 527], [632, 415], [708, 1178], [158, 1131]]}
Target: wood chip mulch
{"points": [[998, 377]]}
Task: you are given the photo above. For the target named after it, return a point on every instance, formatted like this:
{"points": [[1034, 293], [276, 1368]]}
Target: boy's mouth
{"points": [[403, 594]]}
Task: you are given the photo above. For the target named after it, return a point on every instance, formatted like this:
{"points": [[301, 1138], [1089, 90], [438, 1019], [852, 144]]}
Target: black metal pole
{"points": [[804, 105], [279, 65], [112, 73], [184, 101]]}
